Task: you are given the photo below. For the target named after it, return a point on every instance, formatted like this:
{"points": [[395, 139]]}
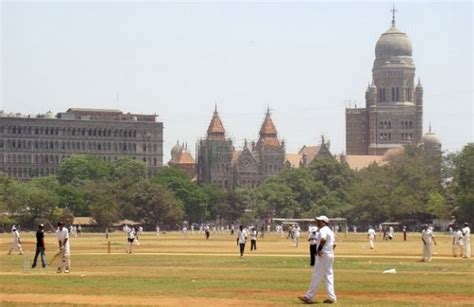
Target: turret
{"points": [[419, 94]]}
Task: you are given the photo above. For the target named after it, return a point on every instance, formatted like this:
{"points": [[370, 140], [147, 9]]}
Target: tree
{"points": [[30, 204], [129, 169], [75, 169], [195, 201], [156, 204], [464, 184], [101, 201]]}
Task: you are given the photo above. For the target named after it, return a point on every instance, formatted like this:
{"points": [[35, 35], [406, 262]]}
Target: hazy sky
{"points": [[306, 60]]}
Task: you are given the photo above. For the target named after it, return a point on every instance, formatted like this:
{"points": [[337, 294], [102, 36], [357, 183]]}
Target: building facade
{"points": [[393, 114], [220, 163], [35, 146]]}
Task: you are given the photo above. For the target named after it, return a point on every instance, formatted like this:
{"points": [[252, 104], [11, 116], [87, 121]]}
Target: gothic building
{"points": [[393, 114], [220, 163]]}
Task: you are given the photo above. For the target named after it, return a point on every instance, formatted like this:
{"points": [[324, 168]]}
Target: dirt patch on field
{"points": [[428, 298], [125, 300], [410, 297]]}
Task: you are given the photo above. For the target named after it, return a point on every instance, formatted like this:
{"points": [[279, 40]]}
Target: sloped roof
{"points": [[268, 128], [184, 157], [294, 159], [357, 162], [216, 128], [235, 156], [268, 133], [83, 220], [309, 151]]}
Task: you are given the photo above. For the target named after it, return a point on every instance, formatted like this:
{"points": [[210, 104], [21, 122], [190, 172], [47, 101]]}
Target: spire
{"points": [[216, 128], [268, 128], [429, 130], [268, 133], [393, 15]]}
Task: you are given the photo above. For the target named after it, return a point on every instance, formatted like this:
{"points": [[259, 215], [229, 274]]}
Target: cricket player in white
{"points": [[428, 239], [297, 234], [130, 239], [16, 241], [458, 248], [64, 259], [371, 234], [324, 265], [466, 240]]}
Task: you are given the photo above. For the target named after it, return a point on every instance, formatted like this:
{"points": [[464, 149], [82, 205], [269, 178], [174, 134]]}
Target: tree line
{"points": [[416, 185]]}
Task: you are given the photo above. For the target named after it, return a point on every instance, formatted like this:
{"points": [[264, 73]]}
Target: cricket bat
{"points": [[55, 256]]}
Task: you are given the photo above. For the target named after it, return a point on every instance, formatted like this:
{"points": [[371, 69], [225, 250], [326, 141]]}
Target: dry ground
{"points": [[171, 270]]}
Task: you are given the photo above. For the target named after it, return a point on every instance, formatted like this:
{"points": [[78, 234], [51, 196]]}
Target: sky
{"points": [[306, 61]]}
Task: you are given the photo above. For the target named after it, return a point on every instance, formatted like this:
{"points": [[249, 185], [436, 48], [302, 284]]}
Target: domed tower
{"points": [[214, 155], [393, 115], [175, 151], [431, 142]]}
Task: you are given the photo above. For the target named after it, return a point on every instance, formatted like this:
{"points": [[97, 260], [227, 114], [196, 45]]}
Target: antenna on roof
{"points": [[118, 100]]}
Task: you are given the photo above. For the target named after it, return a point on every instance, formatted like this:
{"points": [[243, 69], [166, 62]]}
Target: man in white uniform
{"points": [[324, 264], [457, 242], [371, 234], [313, 242], [16, 241], [428, 239], [466, 240], [241, 239], [64, 259], [130, 239], [297, 234]]}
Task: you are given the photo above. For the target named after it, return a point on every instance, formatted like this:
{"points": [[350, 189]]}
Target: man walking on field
{"points": [[64, 260], [371, 236], [16, 241], [428, 239], [324, 264], [241, 239]]}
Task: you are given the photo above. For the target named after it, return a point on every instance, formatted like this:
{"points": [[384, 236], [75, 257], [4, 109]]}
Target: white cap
{"points": [[323, 218]]}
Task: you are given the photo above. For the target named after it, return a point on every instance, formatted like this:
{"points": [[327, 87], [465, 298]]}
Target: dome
{"points": [[430, 138], [393, 43], [176, 150]]}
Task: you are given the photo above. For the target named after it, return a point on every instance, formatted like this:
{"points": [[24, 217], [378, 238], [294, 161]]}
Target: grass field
{"points": [[171, 270]]}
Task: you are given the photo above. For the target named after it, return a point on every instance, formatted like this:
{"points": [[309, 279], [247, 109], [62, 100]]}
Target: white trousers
{"points": [[371, 243], [322, 271], [458, 250], [467, 248], [427, 252]]}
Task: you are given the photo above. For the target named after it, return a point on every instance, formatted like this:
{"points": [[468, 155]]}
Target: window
{"points": [[393, 94], [397, 94]]}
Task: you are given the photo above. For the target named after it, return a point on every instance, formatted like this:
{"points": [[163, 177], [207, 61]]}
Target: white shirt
{"points": [[427, 235], [62, 235], [253, 235], [131, 233], [457, 237], [466, 231], [313, 236], [325, 233], [297, 232], [371, 233], [242, 235], [16, 236]]}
